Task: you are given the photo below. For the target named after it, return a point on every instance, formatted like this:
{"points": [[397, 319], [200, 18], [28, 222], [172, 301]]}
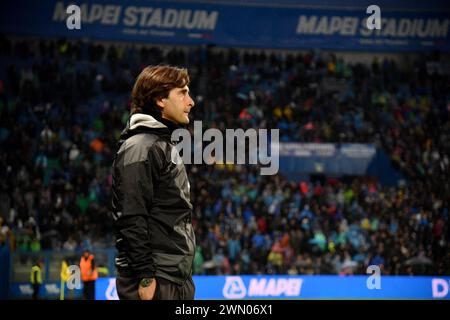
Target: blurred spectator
{"points": [[36, 278]]}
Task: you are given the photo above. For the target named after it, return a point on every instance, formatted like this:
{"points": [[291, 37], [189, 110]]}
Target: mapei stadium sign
{"points": [[232, 24]]}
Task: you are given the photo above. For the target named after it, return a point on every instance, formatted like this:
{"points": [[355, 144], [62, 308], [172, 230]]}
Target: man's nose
{"points": [[191, 102]]}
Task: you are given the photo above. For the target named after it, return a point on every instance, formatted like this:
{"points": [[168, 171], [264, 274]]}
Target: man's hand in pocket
{"points": [[147, 293]]}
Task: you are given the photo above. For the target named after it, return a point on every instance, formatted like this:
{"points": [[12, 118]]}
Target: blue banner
{"points": [[306, 287], [326, 158], [276, 287], [231, 24]]}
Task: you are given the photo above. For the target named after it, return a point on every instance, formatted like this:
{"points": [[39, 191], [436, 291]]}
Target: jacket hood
{"points": [[141, 122], [145, 120]]}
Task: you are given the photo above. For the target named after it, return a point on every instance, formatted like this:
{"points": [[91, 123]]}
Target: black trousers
{"points": [[89, 290], [36, 291], [127, 289]]}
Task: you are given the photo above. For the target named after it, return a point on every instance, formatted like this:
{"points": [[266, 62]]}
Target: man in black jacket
{"points": [[151, 193]]}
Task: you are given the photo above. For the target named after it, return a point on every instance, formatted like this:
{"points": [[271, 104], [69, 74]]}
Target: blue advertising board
{"points": [[276, 287], [302, 159], [326, 158], [231, 24], [306, 287]]}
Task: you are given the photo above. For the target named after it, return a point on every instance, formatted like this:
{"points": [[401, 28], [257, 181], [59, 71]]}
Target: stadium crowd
{"points": [[63, 105]]}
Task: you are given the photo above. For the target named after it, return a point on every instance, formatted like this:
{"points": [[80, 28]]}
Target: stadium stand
{"points": [[64, 103]]}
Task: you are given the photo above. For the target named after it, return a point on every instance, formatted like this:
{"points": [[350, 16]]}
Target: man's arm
{"points": [[137, 196], [138, 181]]}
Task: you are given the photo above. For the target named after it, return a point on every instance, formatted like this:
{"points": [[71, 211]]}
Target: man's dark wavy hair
{"points": [[154, 83]]}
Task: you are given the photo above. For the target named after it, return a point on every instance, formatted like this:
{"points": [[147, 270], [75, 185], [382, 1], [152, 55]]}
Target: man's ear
{"points": [[160, 103]]}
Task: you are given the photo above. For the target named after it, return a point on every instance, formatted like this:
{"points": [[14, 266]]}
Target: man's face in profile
{"points": [[177, 105]]}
